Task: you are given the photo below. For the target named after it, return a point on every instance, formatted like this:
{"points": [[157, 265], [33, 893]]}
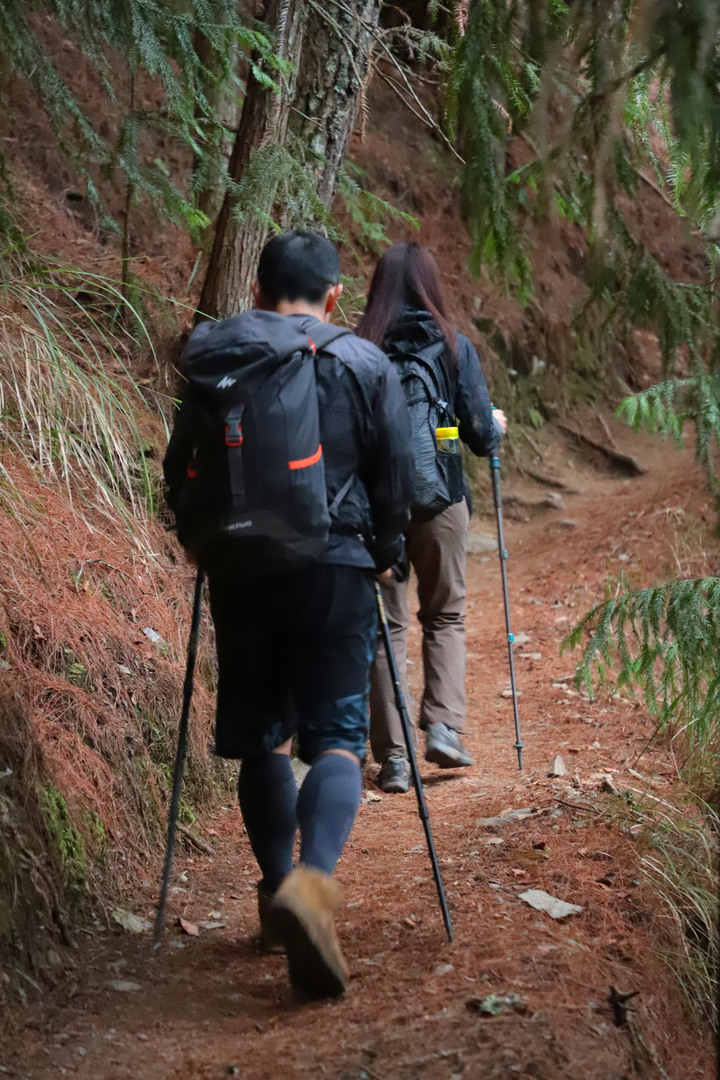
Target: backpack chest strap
{"points": [[233, 444]]}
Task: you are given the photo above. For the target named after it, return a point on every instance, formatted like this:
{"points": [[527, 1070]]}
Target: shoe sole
{"points": [[445, 761], [312, 969], [396, 788]]}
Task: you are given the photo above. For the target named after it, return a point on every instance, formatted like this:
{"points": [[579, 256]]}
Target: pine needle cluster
{"points": [[121, 40]]}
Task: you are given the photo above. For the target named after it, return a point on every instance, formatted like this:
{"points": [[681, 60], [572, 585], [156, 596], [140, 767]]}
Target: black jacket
{"points": [[365, 433], [467, 389]]}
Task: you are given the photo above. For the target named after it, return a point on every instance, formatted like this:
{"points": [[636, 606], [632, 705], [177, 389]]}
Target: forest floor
{"points": [[211, 1006]]}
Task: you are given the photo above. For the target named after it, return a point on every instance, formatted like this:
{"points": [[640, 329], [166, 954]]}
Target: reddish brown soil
{"points": [[211, 1006]]}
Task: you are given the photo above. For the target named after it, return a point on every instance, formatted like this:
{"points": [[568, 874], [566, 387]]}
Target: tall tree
{"points": [[290, 144]]}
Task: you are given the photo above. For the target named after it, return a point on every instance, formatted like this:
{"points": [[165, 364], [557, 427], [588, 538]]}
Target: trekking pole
{"points": [[495, 475], [180, 756], [407, 732]]}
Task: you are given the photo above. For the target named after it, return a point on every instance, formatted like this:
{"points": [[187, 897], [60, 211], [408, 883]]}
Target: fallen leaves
{"points": [[188, 927], [550, 905]]}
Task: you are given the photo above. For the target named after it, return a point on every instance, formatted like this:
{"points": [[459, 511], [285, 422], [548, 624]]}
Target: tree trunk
{"points": [[224, 102], [332, 84], [329, 45], [264, 119]]}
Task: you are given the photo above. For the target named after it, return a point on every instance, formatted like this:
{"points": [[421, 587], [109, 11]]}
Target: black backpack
{"points": [[254, 501], [426, 385]]}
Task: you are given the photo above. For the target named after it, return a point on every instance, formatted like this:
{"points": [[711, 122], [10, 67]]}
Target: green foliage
{"points": [[277, 188], [664, 641], [585, 99], [489, 93], [66, 840], [368, 213], [669, 406], [122, 40]]}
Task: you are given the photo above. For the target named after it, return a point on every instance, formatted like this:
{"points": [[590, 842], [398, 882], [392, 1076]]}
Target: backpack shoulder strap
{"points": [[324, 335]]}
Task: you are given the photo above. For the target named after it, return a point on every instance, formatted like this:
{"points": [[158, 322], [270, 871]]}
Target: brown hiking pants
{"points": [[437, 551]]}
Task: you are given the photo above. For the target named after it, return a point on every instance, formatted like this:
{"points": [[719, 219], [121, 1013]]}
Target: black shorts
{"points": [[294, 655]]}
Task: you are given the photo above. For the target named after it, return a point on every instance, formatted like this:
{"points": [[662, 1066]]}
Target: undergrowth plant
{"points": [[69, 406], [663, 642], [680, 862]]}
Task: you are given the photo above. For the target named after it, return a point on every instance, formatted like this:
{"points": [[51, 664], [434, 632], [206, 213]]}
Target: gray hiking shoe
{"points": [[394, 775], [444, 747]]}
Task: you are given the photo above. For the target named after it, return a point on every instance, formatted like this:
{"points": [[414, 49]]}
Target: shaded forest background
{"points": [[562, 163]]}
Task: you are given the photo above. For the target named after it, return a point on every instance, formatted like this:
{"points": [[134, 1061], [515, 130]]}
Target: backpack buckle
{"points": [[233, 433], [233, 426]]}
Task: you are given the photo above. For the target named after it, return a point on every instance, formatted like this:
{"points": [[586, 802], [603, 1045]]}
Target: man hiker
{"points": [[290, 471]]}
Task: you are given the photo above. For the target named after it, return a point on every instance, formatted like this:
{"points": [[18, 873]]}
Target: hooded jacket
{"points": [[466, 386], [364, 430]]}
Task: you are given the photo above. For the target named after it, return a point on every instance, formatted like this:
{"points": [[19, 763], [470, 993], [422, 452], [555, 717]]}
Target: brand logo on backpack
{"points": [[226, 383]]}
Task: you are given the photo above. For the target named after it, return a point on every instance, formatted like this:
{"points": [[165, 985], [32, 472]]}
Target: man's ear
{"points": [[257, 293], [333, 295]]}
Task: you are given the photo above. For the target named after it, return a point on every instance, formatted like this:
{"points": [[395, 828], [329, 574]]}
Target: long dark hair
{"points": [[405, 276]]}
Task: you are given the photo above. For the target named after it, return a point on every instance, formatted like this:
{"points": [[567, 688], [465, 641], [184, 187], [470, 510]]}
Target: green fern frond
{"points": [[664, 643]]}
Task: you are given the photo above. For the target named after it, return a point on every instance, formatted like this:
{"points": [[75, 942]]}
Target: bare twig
{"points": [[197, 841]]}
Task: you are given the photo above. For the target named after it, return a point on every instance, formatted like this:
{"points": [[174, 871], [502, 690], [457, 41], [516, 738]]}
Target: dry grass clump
{"points": [[680, 863], [69, 406]]}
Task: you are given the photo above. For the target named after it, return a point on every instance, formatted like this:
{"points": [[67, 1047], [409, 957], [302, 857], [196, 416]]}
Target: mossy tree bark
{"points": [[332, 83], [264, 120], [329, 46]]}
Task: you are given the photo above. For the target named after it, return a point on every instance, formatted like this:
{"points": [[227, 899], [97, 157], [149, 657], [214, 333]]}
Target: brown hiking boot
{"points": [[301, 917], [269, 941]]}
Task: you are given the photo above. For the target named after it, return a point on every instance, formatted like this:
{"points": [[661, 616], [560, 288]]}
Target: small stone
{"points": [[133, 923], [566, 523], [558, 767], [479, 543], [507, 818], [444, 969], [124, 986]]}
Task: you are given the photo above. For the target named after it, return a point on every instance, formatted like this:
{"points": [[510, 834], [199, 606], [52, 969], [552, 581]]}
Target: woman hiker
{"points": [[406, 316]]}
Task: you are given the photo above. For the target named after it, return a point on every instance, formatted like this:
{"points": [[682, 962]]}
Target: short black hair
{"points": [[298, 265]]}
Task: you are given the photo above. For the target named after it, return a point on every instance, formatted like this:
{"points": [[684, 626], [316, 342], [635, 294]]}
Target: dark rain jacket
{"points": [[365, 434], [467, 389]]}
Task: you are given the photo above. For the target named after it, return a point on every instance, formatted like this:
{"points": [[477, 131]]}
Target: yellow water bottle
{"points": [[448, 440]]}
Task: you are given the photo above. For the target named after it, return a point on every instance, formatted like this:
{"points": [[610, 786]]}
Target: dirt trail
{"points": [[209, 1007]]}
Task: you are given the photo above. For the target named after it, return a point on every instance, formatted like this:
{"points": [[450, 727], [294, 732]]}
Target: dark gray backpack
{"points": [[254, 500], [426, 385]]}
